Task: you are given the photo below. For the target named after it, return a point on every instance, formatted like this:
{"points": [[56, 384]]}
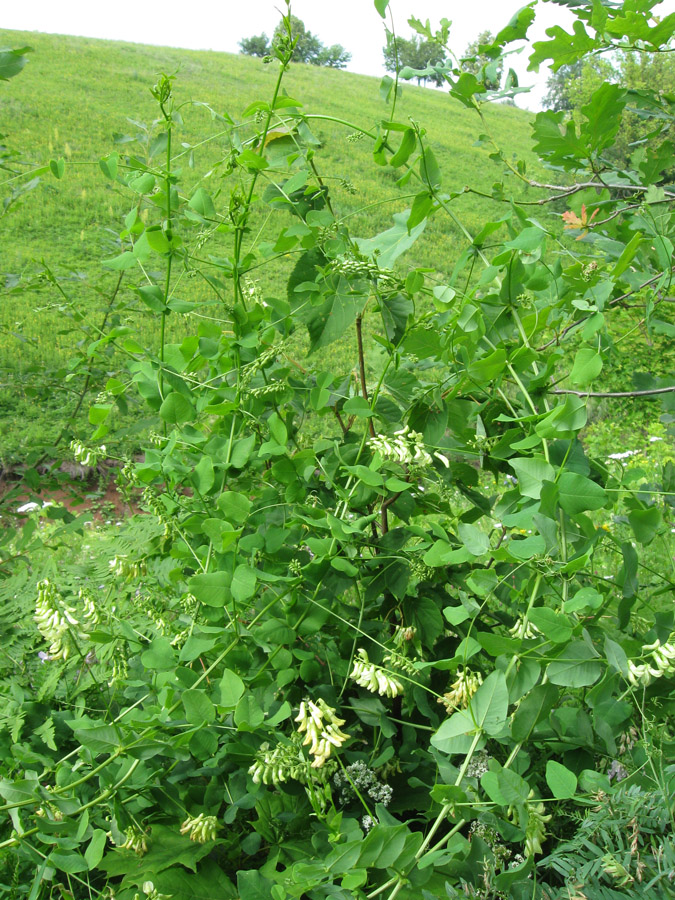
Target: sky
{"points": [[221, 24]]}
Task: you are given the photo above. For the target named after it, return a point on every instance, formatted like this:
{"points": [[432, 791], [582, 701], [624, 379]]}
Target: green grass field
{"points": [[77, 93], [77, 99]]}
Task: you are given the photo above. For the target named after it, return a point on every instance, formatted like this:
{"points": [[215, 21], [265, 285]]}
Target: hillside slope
{"points": [[77, 93]]}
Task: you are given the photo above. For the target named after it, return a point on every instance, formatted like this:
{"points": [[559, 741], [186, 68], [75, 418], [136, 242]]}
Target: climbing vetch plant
{"points": [[367, 637]]}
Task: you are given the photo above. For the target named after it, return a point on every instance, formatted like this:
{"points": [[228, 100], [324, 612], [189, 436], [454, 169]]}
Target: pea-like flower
{"points": [[406, 447], [322, 730], [201, 828], [374, 678], [461, 690], [662, 663], [535, 832], [87, 456], [59, 623], [136, 840], [523, 629]]}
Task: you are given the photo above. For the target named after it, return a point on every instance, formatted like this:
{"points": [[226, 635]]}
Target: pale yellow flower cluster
{"points": [[322, 730], [523, 629], [136, 840], [407, 447], [662, 663], [60, 624], [374, 678], [201, 828], [461, 690], [535, 833]]}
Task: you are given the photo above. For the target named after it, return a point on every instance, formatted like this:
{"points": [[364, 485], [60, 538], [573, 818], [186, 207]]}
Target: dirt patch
{"points": [[104, 502]]}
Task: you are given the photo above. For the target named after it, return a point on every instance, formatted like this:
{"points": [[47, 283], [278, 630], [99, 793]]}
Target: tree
{"points": [[257, 45], [334, 57], [571, 88], [414, 53], [558, 96], [308, 48], [479, 63]]}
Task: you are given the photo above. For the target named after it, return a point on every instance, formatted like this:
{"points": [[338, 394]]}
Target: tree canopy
{"points": [[415, 53], [307, 46]]}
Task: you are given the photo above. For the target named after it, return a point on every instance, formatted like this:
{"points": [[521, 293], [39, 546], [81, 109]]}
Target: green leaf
{"points": [[159, 655], [68, 861], [385, 248], [157, 240], [198, 708], [231, 689], [430, 172], [330, 321], [577, 666], [203, 476], [234, 506], [532, 709], [58, 167], [603, 114], [455, 735], [554, 626], [243, 583], [210, 588], [405, 150], [585, 598], [202, 203], [563, 48], [505, 787], [576, 493], [489, 367], [176, 409], [532, 472], [153, 297], [525, 548], [381, 7], [475, 540], [565, 420], [562, 782], [19, 791], [94, 852], [587, 366], [627, 254], [248, 715], [109, 165], [555, 145], [13, 61], [645, 523], [490, 703]]}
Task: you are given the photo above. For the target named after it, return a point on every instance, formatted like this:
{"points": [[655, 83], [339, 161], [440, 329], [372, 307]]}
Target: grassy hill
{"points": [[78, 96]]}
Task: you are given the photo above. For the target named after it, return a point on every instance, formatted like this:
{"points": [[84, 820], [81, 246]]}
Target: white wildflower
{"points": [[201, 828], [662, 663], [461, 690], [407, 448], [322, 730], [523, 629], [374, 678]]}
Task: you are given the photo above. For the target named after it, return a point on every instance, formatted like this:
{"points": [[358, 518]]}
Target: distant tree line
{"points": [[417, 53], [571, 87], [308, 48]]}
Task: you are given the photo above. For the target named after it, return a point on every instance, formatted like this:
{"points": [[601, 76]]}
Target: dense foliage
{"points": [[389, 629]]}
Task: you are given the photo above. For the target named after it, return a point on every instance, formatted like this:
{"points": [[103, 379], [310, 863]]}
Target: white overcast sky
{"points": [[221, 24]]}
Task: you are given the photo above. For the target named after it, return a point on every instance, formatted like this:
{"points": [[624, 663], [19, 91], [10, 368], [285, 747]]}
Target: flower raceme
{"points": [[407, 447], [201, 828], [374, 678], [662, 663], [60, 624], [461, 690], [322, 730]]}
